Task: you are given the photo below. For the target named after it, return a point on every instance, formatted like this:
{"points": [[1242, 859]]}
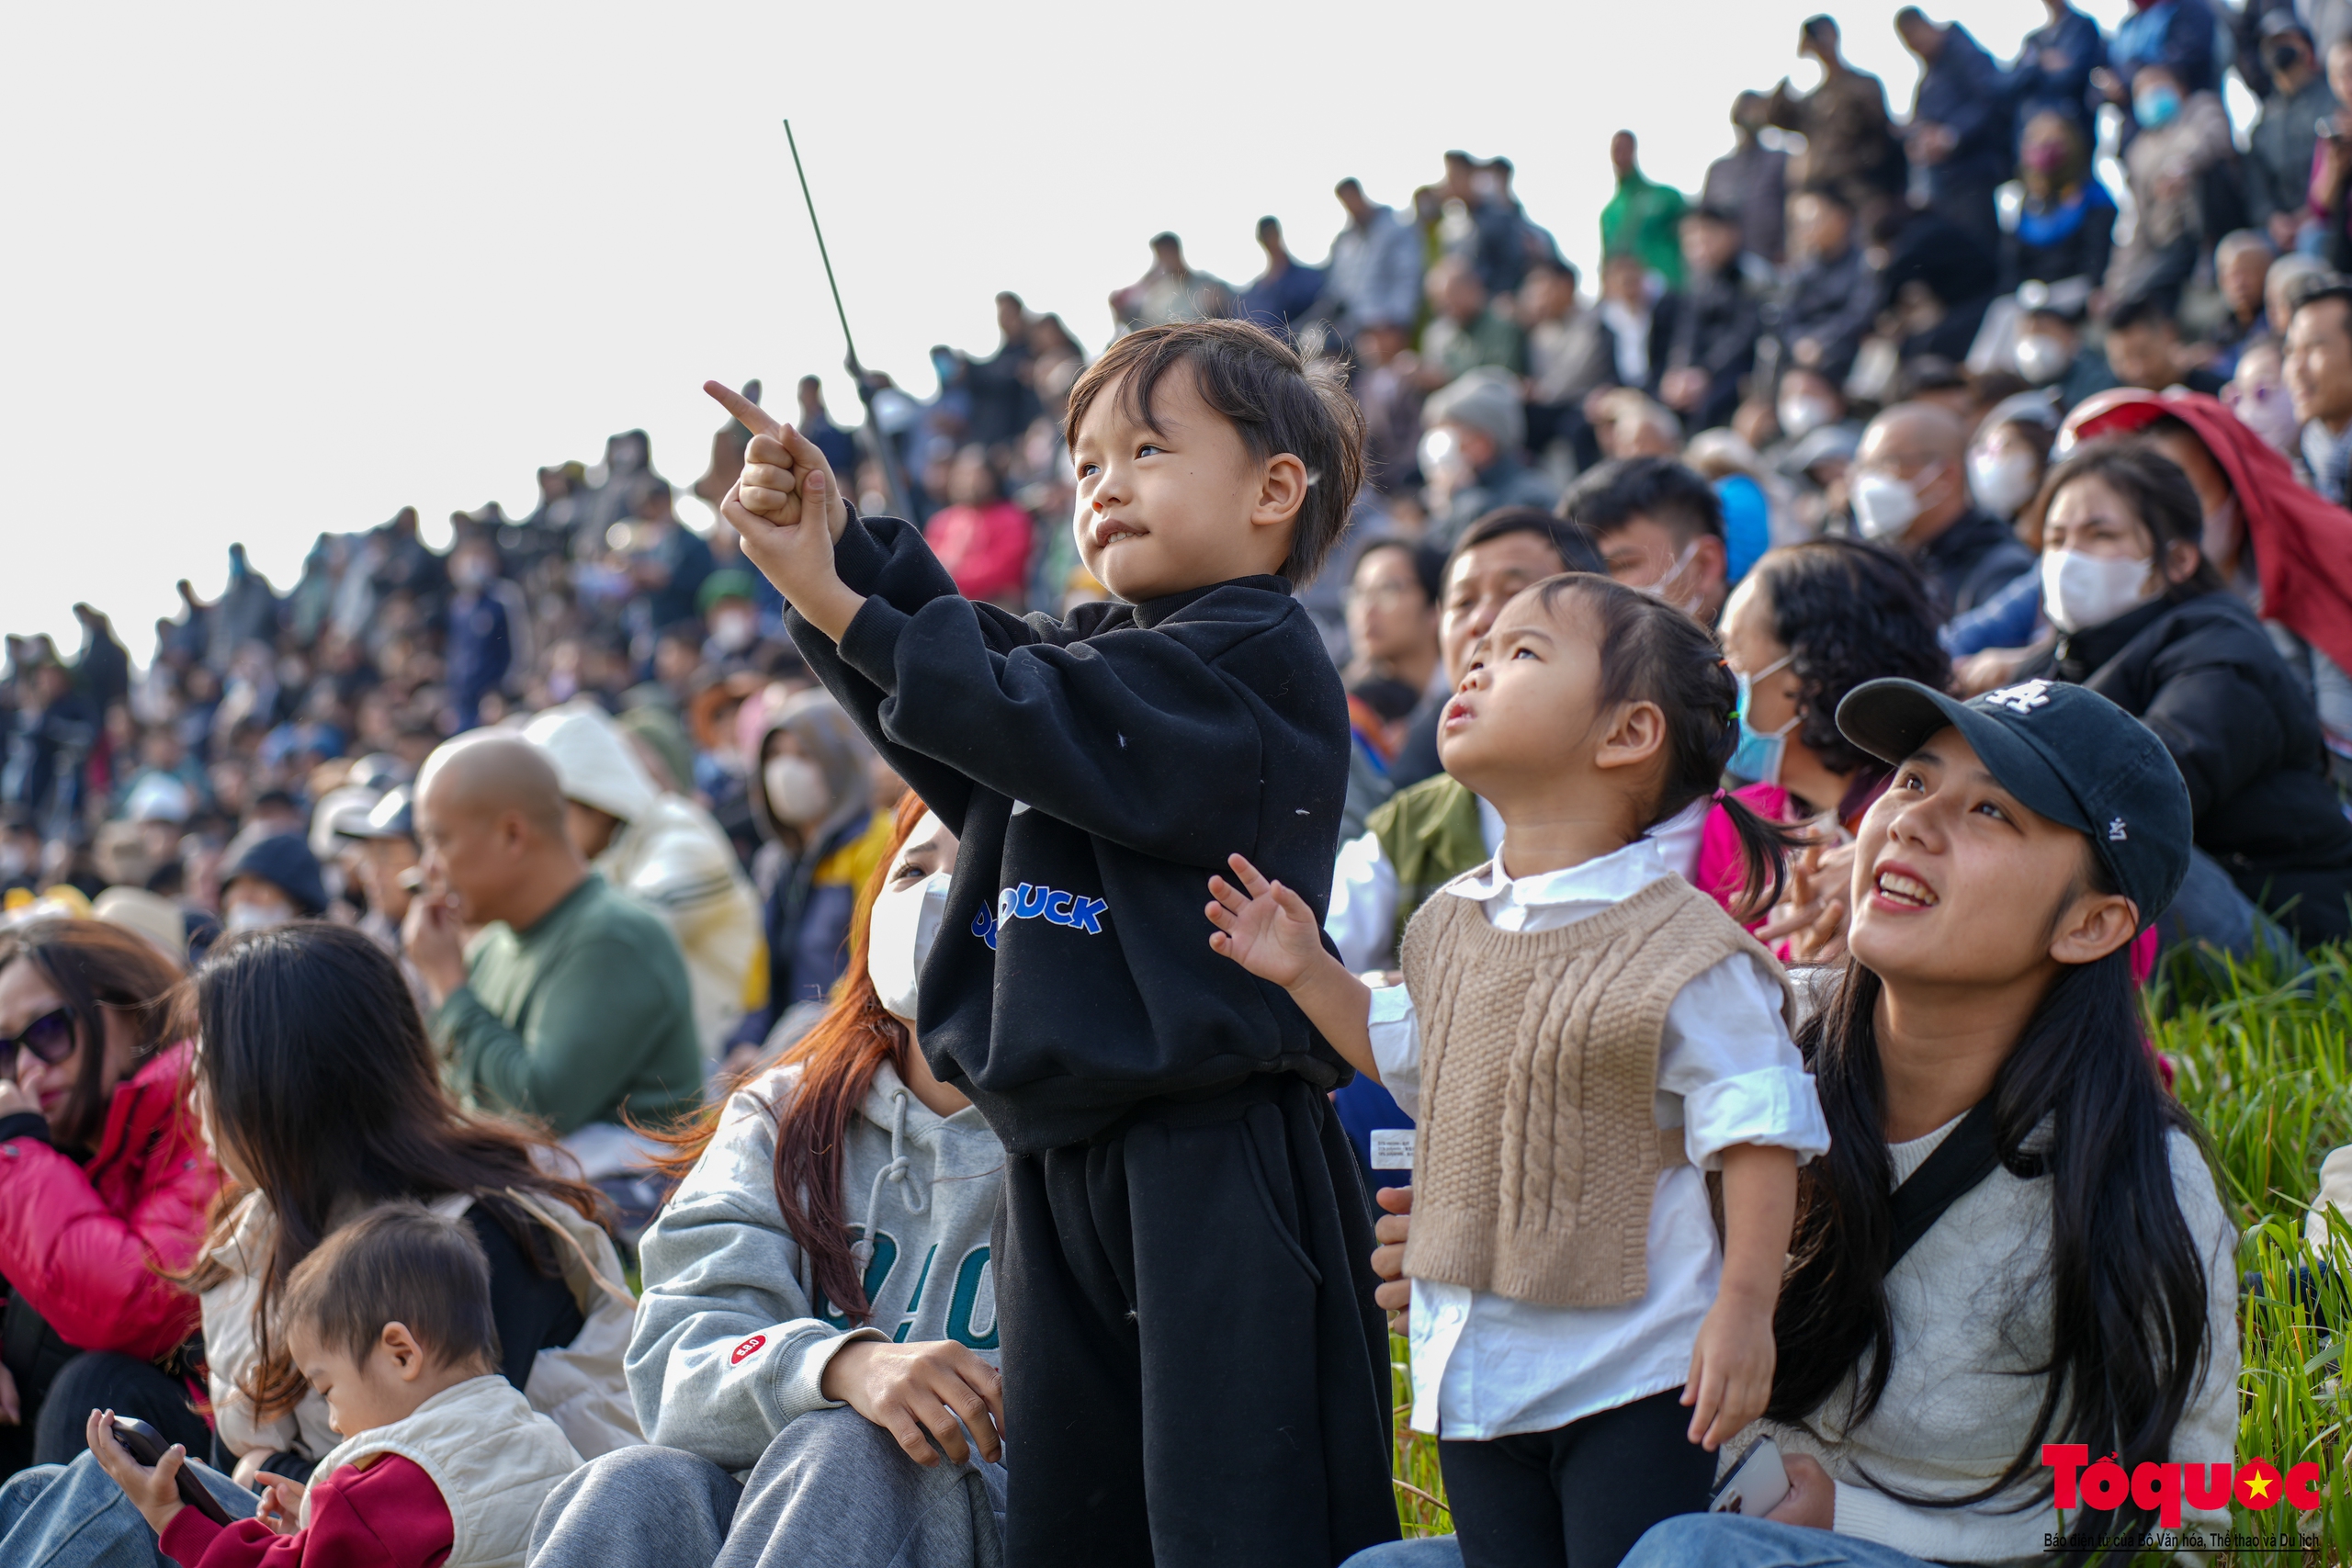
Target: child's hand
{"points": [[281, 1502], [1271, 932], [155, 1493], [1731, 1369], [786, 482]]}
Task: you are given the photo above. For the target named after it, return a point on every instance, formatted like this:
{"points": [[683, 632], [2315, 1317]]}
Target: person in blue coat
{"points": [[2054, 71]]}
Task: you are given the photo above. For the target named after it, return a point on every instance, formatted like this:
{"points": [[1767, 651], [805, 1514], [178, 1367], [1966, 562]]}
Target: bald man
{"points": [[1909, 485], [574, 1006]]}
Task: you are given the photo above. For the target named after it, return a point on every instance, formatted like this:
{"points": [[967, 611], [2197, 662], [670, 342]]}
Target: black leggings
{"points": [[1579, 1494]]}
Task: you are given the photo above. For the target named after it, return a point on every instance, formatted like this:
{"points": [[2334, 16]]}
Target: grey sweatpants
{"points": [[832, 1491]]}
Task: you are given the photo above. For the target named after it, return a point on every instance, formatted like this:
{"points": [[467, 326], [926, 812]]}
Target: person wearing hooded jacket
{"points": [[663, 851], [794, 1367], [811, 798]]}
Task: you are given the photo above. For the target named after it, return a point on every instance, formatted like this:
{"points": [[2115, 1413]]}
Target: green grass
{"points": [[2261, 1060]]}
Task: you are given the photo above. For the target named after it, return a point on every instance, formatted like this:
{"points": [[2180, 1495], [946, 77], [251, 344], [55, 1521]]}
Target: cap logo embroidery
{"points": [[2021, 698], [2115, 833]]}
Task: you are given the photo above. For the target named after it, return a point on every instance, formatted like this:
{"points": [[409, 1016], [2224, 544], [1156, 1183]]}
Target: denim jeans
{"points": [[1727, 1540], [2210, 908], [73, 1516]]}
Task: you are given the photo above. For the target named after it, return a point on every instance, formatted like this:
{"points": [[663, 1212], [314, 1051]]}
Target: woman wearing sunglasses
{"points": [[104, 1183]]}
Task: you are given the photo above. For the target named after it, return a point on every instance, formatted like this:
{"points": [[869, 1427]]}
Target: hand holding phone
{"points": [[1757, 1484], [146, 1445]]}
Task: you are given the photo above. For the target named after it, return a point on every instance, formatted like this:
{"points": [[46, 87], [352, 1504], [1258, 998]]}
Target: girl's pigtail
{"points": [[1764, 849]]}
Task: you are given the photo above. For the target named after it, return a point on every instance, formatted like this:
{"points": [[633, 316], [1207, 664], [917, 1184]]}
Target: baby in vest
{"points": [[1584, 1034], [442, 1462]]}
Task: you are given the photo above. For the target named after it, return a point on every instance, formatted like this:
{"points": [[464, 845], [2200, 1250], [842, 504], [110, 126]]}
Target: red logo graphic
{"points": [[2256, 1483], [750, 1346]]}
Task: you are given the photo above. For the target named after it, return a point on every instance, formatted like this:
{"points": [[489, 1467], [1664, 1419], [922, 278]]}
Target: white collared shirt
{"points": [[1486, 1366]]}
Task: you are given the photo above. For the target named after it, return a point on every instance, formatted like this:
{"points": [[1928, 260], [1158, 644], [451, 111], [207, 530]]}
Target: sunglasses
{"points": [[49, 1037]]}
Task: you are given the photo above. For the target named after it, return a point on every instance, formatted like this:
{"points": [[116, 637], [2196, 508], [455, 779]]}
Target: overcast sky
{"points": [[279, 270]]}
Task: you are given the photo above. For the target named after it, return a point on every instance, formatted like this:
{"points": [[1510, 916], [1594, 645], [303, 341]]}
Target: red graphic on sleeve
{"points": [[748, 1347]]}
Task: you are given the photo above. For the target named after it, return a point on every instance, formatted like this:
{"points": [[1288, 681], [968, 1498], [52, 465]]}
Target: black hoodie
{"points": [[1097, 771]]}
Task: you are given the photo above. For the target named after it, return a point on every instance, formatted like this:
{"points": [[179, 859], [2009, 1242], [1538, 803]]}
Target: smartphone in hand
{"points": [[1757, 1484], [146, 1445]]}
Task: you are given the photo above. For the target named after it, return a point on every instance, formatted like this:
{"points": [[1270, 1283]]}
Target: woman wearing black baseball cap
{"points": [[2015, 1237]]}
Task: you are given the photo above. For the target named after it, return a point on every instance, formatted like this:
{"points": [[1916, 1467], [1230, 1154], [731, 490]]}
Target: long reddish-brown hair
{"points": [[838, 1058]]}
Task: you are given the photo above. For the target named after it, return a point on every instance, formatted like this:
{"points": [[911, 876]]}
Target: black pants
{"points": [[1579, 1494], [1194, 1371], [101, 1380]]}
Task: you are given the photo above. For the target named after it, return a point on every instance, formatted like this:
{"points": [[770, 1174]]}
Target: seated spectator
{"points": [[729, 604], [2285, 553], [1465, 333], [2282, 144], [2318, 368], [1475, 452], [2143, 349], [1808, 400], [1659, 529], [819, 1309], [1629, 294], [662, 849], [274, 879], [313, 1020], [2241, 266], [390, 1320], [1279, 298], [1832, 293], [2006, 458], [2257, 394], [572, 1007], [2051, 349], [2143, 621], [1911, 1425], [1632, 424], [1910, 490], [983, 539], [1392, 620], [109, 1181], [812, 801], [2332, 161], [1751, 511], [1708, 327], [2183, 135], [2064, 225], [1571, 352]]}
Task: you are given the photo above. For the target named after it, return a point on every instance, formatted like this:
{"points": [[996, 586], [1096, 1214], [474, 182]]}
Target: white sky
{"points": [[274, 270]]}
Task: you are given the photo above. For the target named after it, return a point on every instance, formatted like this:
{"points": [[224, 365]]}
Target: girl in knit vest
{"points": [[442, 1463], [1584, 1034]]}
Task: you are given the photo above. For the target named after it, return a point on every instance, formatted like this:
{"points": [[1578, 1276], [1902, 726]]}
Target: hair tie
{"points": [[1719, 796]]}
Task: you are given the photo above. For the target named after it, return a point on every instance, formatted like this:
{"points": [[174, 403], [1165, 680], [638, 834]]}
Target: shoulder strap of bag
{"points": [[1951, 1170]]}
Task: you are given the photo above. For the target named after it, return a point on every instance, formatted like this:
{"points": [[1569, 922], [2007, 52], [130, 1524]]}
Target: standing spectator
{"points": [[2053, 73], [1477, 447], [818, 426], [1832, 293], [1642, 217], [1710, 325], [1507, 243], [2319, 376], [662, 849], [667, 561], [1961, 128], [983, 539], [2332, 161], [1170, 290], [573, 1007], [1850, 144], [1282, 296], [1910, 490], [1466, 333], [1002, 400], [2280, 149], [51, 732], [2183, 137], [1751, 180], [246, 610], [108, 1180], [2175, 34], [1374, 278]]}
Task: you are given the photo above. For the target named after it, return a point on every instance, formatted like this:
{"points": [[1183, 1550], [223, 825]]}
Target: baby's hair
{"points": [[1652, 652], [1278, 403], [399, 1263]]}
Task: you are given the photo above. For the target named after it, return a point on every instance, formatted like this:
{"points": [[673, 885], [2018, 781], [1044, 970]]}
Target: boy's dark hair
{"points": [[1570, 543], [1428, 564], [1652, 652], [2144, 312], [399, 1263], [1277, 402], [1665, 491], [2155, 489]]}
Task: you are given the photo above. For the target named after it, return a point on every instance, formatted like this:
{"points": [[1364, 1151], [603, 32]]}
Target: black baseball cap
{"points": [[2067, 753]]}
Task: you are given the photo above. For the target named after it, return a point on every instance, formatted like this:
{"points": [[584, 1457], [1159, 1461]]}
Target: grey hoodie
{"points": [[732, 1340]]}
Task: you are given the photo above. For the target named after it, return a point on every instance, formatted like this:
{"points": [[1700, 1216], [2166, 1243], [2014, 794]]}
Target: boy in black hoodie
{"points": [[1194, 1370]]}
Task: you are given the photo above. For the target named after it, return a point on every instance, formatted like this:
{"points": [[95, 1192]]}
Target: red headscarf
{"points": [[2302, 545]]}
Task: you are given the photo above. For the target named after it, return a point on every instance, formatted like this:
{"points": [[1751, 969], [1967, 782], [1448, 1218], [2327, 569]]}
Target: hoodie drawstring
{"points": [[900, 1170]]}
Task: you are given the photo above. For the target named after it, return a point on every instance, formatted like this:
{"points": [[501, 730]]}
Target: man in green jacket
{"points": [[1644, 217], [574, 1006]]}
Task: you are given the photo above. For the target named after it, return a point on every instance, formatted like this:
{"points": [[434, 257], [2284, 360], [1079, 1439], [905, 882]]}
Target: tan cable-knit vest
{"points": [[1539, 1146]]}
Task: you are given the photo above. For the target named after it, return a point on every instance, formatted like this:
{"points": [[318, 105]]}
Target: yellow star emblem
{"points": [[2258, 1486]]}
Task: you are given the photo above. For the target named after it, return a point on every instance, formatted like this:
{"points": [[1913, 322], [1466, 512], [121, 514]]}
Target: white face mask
{"points": [[903, 928], [734, 632], [2079, 591], [1886, 505], [798, 794], [1801, 417], [250, 916], [2041, 360], [2004, 481]]}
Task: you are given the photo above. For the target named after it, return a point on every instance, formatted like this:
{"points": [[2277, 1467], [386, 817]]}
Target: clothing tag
{"points": [[1392, 1148]]}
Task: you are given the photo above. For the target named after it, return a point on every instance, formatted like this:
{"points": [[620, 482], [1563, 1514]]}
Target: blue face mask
{"points": [[1758, 755], [2155, 107]]}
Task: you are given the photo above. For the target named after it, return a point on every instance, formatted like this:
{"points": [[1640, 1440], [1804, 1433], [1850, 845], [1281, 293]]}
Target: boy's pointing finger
{"points": [[755, 419]]}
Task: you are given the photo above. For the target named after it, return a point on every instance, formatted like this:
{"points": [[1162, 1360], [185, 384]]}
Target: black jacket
{"points": [[1833, 303], [2205, 677], [1710, 325], [1097, 771], [1972, 560]]}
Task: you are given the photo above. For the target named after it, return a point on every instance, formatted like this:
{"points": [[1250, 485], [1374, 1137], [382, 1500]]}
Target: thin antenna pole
{"points": [[875, 436]]}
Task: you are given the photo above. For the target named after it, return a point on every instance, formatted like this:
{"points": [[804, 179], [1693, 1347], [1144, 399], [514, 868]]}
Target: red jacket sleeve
{"points": [[90, 1269], [388, 1516]]}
